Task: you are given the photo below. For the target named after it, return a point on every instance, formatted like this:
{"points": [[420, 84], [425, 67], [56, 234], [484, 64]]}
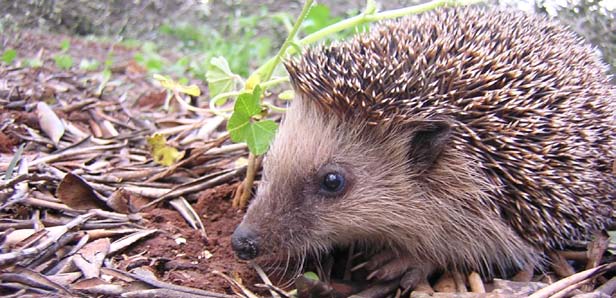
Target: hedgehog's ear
{"points": [[428, 139]]}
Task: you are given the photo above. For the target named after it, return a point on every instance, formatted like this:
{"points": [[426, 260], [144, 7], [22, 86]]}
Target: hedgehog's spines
{"points": [[528, 98]]}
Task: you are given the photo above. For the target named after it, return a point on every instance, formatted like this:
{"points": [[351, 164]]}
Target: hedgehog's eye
{"points": [[332, 183]]}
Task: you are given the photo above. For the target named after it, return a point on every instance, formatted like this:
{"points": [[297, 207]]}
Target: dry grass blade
{"points": [[74, 152], [162, 293], [126, 241], [245, 292], [265, 279], [189, 214], [27, 178]]}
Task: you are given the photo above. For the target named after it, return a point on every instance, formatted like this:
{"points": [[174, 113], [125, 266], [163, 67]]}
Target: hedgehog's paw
{"points": [[388, 265]]}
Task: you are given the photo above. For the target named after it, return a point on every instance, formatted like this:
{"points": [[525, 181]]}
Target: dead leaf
{"points": [[49, 122], [127, 241], [78, 194], [125, 202], [90, 258]]}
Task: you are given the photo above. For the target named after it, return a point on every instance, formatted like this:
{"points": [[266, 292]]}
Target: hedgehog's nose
{"points": [[244, 243]]}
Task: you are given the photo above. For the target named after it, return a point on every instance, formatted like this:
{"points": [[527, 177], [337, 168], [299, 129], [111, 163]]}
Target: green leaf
{"points": [[249, 103], [154, 64], [63, 61], [9, 56], [246, 106], [261, 135], [65, 45], [318, 18], [219, 76], [311, 275], [242, 126]]}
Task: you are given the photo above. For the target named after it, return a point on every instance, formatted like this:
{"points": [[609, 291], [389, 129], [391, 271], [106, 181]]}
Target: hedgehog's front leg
{"points": [[389, 266]]}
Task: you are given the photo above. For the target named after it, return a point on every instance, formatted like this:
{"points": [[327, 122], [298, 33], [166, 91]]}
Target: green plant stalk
{"points": [[271, 65], [357, 20], [274, 82], [224, 112]]}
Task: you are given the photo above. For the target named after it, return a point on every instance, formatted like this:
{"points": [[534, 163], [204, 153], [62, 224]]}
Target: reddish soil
{"points": [[193, 262]]}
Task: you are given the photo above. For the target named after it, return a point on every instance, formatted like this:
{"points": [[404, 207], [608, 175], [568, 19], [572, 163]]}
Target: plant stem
{"points": [[251, 171], [274, 82], [287, 42]]}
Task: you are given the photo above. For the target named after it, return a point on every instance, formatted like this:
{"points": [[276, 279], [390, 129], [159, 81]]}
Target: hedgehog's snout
{"points": [[244, 242]]}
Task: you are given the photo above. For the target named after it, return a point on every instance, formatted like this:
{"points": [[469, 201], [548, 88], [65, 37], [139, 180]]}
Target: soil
{"points": [[192, 263]]}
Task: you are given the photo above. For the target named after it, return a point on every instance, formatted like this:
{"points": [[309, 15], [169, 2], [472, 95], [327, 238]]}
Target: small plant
{"points": [[8, 56], [238, 41], [149, 58], [247, 123], [62, 59]]}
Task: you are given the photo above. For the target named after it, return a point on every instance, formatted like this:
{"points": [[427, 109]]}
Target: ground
{"points": [[74, 215]]}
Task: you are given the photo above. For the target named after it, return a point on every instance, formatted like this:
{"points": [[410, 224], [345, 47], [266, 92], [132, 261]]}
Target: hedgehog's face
{"points": [[323, 179]]}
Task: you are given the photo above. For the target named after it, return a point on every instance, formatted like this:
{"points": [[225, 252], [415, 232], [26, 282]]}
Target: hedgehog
{"points": [[459, 139]]}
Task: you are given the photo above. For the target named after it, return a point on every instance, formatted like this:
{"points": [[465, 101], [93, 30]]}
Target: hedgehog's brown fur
{"points": [[526, 166]]}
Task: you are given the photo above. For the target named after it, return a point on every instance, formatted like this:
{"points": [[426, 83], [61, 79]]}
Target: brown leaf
{"points": [[90, 258], [126, 202], [78, 194]]}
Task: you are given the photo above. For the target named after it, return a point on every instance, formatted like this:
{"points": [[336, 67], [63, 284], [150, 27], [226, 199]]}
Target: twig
{"points": [[164, 285], [26, 177], [50, 205], [571, 280], [171, 169], [67, 153], [196, 185], [11, 257]]}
